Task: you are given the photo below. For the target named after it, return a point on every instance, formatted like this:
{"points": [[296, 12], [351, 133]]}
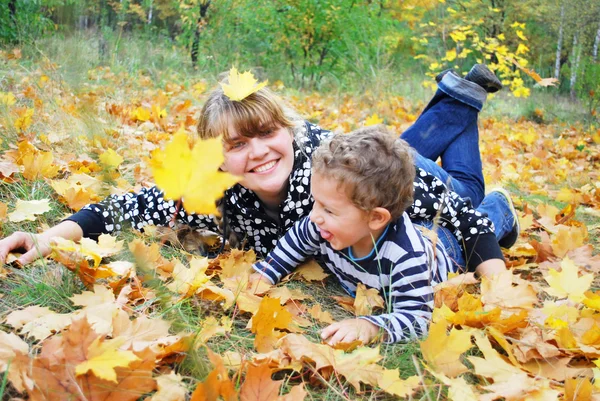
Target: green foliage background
{"points": [[317, 43]]}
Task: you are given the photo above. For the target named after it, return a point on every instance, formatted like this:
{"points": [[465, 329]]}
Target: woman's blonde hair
{"points": [[374, 168], [259, 112]]}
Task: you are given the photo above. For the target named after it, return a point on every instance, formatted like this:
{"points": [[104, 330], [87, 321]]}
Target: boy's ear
{"points": [[379, 218]]}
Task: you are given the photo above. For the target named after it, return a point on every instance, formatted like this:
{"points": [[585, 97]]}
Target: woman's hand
{"points": [[37, 245], [350, 330]]}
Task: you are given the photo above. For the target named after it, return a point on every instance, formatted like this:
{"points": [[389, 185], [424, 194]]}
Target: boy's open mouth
{"points": [[266, 167], [326, 234]]}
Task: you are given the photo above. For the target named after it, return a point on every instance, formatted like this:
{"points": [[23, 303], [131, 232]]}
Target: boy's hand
{"points": [[258, 283], [350, 330]]}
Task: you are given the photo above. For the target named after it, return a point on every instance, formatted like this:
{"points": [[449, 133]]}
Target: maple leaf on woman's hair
{"points": [[191, 175], [240, 86]]}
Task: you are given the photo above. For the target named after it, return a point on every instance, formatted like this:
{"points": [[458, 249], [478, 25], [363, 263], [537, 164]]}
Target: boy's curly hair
{"points": [[373, 166]]}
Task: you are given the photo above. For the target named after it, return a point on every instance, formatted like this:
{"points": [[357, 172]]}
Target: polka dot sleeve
{"points": [[147, 207], [434, 201]]}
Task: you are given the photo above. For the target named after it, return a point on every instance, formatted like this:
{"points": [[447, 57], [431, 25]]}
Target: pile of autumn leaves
{"points": [[533, 332]]}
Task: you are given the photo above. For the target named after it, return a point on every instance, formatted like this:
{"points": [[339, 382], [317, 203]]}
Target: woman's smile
{"points": [[265, 167]]}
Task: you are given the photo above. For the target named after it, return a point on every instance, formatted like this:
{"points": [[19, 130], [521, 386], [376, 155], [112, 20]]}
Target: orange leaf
{"points": [[270, 316], [258, 385], [217, 383]]}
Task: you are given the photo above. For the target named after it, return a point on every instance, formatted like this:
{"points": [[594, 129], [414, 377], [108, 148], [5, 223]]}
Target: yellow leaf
{"points": [[367, 300], [311, 271], [111, 159], [521, 35], [450, 55], [521, 92], [192, 175], [240, 86], [567, 239], [7, 98], [567, 283], [141, 114], [458, 36], [24, 121], [38, 322], [39, 165], [373, 120], [27, 210], [104, 357], [188, 281], [391, 383], [442, 352]]}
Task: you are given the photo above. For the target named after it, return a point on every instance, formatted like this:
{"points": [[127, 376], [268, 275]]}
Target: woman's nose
{"points": [[258, 148]]}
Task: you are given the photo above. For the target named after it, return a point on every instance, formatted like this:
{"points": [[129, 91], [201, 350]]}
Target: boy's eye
{"points": [[236, 145], [327, 211]]}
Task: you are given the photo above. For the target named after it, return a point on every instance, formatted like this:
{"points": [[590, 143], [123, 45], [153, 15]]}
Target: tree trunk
{"points": [[149, 21], [196, 44], [575, 57], [559, 44], [596, 43]]}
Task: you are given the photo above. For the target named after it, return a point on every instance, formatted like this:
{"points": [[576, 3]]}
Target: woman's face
{"points": [[264, 162]]}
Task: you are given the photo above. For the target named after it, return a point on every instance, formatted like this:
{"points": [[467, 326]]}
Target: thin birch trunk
{"points": [[149, 22], [596, 43], [559, 44], [576, 56]]}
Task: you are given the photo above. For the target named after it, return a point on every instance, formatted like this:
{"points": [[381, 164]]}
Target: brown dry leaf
{"points": [[442, 352], [367, 300], [217, 383], [533, 345], [507, 291], [311, 271], [322, 316], [258, 385], [358, 366], [270, 316], [345, 302]]}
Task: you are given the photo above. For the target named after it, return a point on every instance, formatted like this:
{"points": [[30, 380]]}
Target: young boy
{"points": [[362, 183]]}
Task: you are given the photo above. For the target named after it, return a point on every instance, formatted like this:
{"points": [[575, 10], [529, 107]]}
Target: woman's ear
{"points": [[379, 218]]}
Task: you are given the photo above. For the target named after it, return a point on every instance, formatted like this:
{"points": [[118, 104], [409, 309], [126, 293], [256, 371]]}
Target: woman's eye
{"points": [[266, 133]]}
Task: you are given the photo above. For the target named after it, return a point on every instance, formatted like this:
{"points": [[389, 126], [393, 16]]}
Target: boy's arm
{"points": [[298, 244], [473, 230], [410, 300]]}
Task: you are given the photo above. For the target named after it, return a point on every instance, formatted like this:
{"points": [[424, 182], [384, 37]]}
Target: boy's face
{"points": [[340, 222]]}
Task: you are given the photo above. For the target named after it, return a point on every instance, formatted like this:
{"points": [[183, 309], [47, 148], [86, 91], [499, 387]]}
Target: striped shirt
{"points": [[404, 266]]}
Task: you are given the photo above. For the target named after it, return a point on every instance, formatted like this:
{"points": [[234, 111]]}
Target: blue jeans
{"points": [[447, 129], [496, 207]]}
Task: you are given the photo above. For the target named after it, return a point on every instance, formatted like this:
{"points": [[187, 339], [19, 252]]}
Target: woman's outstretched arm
{"points": [[37, 245]]}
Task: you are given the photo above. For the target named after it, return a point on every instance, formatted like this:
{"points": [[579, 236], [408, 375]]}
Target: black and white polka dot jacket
{"points": [[248, 220]]}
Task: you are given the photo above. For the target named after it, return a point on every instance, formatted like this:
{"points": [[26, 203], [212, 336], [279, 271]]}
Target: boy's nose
{"points": [[316, 218]]}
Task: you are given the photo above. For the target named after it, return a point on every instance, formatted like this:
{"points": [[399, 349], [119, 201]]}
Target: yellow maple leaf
{"points": [[367, 300], [567, 283], [27, 210], [270, 316], [391, 383], [188, 281], [7, 98], [104, 357], [38, 322], [450, 55], [110, 159], [240, 86], [442, 351], [24, 120], [141, 114], [373, 119], [191, 174], [39, 165]]}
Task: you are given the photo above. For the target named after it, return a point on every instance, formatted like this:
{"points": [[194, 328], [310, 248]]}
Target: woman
{"points": [[270, 148]]}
